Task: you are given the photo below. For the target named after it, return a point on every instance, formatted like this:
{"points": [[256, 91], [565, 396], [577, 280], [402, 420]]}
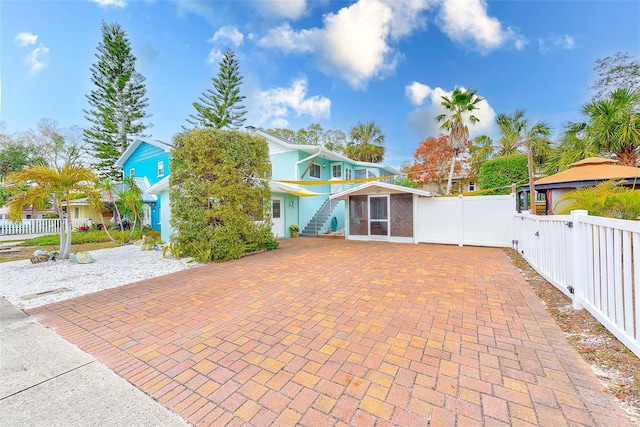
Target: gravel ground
{"points": [[28, 285]]}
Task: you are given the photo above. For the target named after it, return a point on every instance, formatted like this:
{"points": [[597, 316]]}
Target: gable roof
{"points": [[379, 187], [315, 149], [134, 146], [592, 169], [159, 186]]}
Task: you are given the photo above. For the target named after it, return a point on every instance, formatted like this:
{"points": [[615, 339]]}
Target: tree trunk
{"points": [[67, 249], [453, 164]]}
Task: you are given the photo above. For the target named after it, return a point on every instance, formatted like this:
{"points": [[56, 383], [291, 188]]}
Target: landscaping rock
{"points": [[81, 258]]}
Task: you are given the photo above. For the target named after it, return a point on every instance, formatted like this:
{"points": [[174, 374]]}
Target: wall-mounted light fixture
{"points": [[324, 165], [292, 204]]}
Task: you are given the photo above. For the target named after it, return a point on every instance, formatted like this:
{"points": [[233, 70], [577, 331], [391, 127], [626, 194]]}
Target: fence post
{"points": [[579, 260], [461, 243]]}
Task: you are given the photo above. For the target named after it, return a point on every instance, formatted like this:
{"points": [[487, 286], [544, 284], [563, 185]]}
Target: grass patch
{"points": [[93, 236]]}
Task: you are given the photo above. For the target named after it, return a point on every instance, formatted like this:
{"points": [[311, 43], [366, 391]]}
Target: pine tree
{"points": [[220, 107], [117, 103]]}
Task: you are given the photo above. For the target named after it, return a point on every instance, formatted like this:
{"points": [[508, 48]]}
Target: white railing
{"points": [[592, 260], [36, 226]]}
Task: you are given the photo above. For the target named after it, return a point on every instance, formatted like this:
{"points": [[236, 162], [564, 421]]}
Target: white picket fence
{"points": [[593, 261], [36, 226]]}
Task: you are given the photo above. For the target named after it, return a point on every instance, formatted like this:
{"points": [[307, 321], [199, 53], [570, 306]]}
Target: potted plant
{"points": [[84, 228], [294, 229]]}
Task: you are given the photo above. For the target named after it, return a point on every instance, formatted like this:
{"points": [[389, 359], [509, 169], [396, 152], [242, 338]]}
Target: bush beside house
{"points": [[219, 194]]}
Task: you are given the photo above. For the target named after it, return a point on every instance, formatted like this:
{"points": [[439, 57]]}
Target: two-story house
{"points": [[302, 179]]}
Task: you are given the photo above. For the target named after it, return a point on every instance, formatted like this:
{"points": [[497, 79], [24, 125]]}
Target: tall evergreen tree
{"points": [[221, 106], [117, 103]]}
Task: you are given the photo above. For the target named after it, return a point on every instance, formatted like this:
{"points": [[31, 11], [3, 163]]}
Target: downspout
{"points": [[311, 157]]}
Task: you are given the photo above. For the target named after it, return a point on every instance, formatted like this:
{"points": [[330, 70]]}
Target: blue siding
{"points": [[144, 160]]}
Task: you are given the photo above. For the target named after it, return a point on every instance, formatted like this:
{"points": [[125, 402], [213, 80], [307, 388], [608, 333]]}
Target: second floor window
{"points": [[347, 174], [336, 171], [314, 172], [160, 168], [132, 172], [472, 186]]}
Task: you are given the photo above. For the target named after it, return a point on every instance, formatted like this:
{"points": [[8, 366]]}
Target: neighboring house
{"points": [[148, 161], [459, 184], [80, 208], [27, 213], [585, 173], [302, 179]]}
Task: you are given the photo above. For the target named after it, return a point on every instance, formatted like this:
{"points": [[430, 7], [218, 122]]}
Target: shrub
{"points": [[219, 194], [502, 172], [607, 199]]}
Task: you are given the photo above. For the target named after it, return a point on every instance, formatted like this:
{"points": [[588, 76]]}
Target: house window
{"points": [[347, 174], [132, 172], [361, 173], [472, 186], [160, 168], [314, 172], [336, 171]]}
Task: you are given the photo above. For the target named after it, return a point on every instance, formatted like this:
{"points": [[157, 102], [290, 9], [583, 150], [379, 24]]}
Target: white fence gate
{"points": [[592, 260], [478, 220]]}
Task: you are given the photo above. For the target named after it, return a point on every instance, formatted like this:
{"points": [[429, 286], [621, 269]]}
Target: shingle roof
{"points": [[592, 169]]}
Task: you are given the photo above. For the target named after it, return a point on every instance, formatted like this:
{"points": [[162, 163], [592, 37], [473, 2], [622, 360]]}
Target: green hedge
{"points": [[220, 197], [502, 172]]}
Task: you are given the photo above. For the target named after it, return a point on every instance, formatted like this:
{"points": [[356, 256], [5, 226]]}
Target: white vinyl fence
{"points": [[476, 221], [593, 261], [36, 226]]}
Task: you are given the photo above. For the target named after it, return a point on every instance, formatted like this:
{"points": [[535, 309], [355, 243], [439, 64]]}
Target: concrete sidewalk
{"points": [[46, 381]]}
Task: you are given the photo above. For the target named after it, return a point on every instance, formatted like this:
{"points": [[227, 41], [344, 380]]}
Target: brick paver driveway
{"points": [[326, 332]]}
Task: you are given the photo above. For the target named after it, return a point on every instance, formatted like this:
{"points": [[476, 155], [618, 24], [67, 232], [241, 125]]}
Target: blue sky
{"points": [[330, 62]]}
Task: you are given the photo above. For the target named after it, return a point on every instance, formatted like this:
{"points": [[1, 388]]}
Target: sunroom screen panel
{"points": [[401, 215], [358, 216]]}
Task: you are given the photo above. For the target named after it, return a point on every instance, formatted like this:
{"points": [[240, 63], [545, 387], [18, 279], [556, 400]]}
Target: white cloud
{"points": [[25, 39], [468, 23], [228, 33], [288, 9], [417, 92], [116, 3], [556, 42], [356, 42], [288, 40], [215, 55], [34, 60], [422, 119], [275, 105]]}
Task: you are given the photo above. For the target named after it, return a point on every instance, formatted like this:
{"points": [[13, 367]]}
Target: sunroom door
{"points": [[379, 217]]}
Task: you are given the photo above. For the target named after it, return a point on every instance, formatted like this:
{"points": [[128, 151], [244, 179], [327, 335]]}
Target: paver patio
{"points": [[328, 332]]}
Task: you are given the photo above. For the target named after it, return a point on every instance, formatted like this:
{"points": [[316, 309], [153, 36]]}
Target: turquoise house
{"points": [[147, 161], [302, 179]]}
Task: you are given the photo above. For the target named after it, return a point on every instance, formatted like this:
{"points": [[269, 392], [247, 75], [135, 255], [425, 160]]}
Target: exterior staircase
{"points": [[320, 219]]}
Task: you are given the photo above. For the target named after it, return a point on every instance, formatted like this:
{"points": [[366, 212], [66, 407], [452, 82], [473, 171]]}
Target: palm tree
{"points": [[516, 137], [125, 202], [41, 184], [614, 124], [573, 147], [366, 143], [611, 128], [460, 104]]}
